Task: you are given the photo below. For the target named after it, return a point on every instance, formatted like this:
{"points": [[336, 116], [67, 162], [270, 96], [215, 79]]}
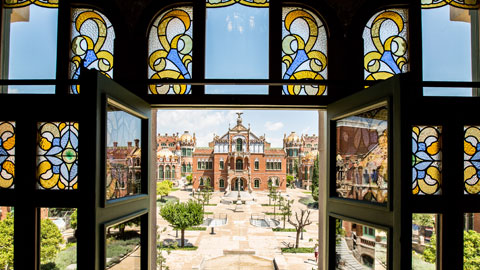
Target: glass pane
{"points": [[58, 242], [6, 236], [451, 55], [170, 50], [362, 156], [92, 42], [304, 51], [426, 160], [123, 169], [237, 45], [471, 238], [7, 154], [360, 246], [57, 155], [385, 40], [23, 3], [455, 3], [424, 241], [471, 163], [123, 245], [30, 47]]}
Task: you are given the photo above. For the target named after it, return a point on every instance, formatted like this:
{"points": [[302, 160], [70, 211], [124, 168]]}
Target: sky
{"points": [[205, 123], [237, 47]]}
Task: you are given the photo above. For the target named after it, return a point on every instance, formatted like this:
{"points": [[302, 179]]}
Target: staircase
{"points": [[346, 256]]}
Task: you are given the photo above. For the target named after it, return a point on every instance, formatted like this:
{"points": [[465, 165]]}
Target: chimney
{"points": [[115, 144], [137, 142], [129, 144]]}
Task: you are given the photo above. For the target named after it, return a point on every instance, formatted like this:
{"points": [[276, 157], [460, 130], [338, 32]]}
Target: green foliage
{"points": [[182, 215], [161, 258], [73, 220], [164, 188], [430, 252], [66, 257], [50, 240], [315, 193], [419, 264], [339, 231], [116, 249], [6, 242], [285, 230], [290, 181], [298, 250], [471, 250], [189, 179], [196, 229], [315, 176], [426, 220], [121, 227]]}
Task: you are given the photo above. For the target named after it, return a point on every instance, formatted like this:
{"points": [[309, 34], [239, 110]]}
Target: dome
{"points": [[186, 137], [292, 137], [164, 153]]}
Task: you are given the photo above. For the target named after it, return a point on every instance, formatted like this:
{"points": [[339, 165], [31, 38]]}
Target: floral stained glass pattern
{"points": [[471, 163], [92, 44], [7, 154], [249, 3], [467, 4], [426, 160], [170, 50], [23, 3], [304, 51], [57, 155], [385, 44]]}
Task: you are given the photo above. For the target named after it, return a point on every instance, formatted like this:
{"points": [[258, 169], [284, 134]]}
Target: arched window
{"points": [[201, 182], [257, 164], [256, 183], [167, 172], [239, 164], [222, 183], [239, 145], [160, 172], [173, 172]]}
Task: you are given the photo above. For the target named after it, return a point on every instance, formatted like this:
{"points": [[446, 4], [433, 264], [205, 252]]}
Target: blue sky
{"points": [[204, 123]]}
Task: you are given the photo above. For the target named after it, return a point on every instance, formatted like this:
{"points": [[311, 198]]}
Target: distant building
{"points": [[123, 170], [237, 160]]}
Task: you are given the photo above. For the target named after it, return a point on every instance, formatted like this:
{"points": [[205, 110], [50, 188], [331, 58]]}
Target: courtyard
{"points": [[238, 244]]}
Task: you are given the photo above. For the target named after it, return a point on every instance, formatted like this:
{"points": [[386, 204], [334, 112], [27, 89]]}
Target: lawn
{"points": [[298, 250], [309, 202]]}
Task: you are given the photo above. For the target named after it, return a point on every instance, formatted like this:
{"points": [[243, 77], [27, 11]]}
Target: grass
{"points": [[174, 247], [307, 192], [285, 230], [116, 249], [266, 204], [196, 229], [309, 202], [271, 213], [208, 213], [166, 199], [211, 204], [175, 189], [298, 250]]}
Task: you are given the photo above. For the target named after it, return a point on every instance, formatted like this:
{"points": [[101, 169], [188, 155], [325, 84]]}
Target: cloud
{"points": [[229, 26], [240, 29], [252, 21], [273, 126]]}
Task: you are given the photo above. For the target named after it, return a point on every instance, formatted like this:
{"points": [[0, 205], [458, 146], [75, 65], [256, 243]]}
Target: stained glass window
{"points": [[24, 3], [468, 4], [170, 50], [304, 51], [426, 160], [362, 156], [471, 163], [225, 3], [92, 44], [385, 40], [7, 154], [57, 155]]}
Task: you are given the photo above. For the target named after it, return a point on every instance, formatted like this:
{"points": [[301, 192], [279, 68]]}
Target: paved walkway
{"points": [[239, 236]]}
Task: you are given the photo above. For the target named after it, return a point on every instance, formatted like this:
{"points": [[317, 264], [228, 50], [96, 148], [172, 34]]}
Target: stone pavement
{"points": [[247, 243]]}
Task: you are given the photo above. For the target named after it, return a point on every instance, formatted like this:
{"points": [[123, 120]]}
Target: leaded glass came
{"points": [[57, 155], [467, 4], [471, 163], [92, 44], [7, 154], [386, 44], [170, 50], [426, 160], [304, 51]]}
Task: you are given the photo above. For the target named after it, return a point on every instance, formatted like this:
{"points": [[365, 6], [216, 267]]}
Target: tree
{"points": [[315, 176], [295, 168], [182, 215], [6, 242], [164, 188], [161, 259], [50, 240], [425, 220], [471, 250], [430, 252], [272, 191], [189, 179], [73, 220], [122, 226], [286, 209], [290, 181], [207, 192], [315, 194], [301, 223]]}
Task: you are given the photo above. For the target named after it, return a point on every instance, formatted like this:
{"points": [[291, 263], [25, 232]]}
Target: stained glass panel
{"points": [[426, 160], [123, 164], [170, 50], [385, 40], [362, 156], [468, 4], [304, 51], [225, 3], [57, 155], [355, 238], [92, 44], [7, 154], [471, 163], [24, 3]]}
